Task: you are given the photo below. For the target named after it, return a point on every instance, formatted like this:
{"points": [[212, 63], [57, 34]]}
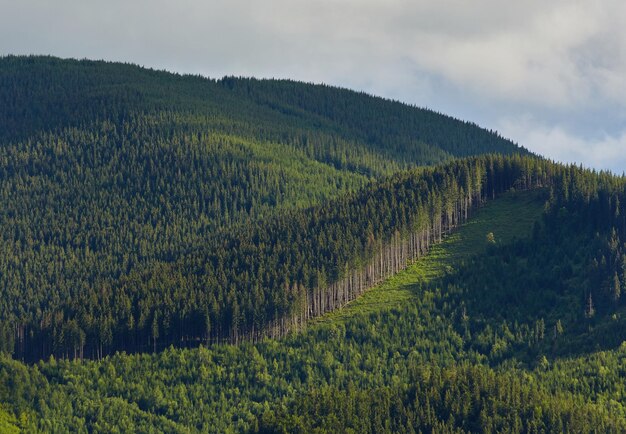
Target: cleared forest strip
{"points": [[507, 217]]}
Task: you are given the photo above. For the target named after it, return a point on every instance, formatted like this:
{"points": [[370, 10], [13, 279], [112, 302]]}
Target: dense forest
{"points": [[120, 184], [502, 341], [267, 276], [183, 254]]}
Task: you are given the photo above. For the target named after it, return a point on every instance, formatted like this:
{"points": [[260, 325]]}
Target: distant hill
{"points": [[45, 93]]}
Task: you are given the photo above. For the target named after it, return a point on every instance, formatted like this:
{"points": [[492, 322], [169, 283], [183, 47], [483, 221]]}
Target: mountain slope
{"points": [[266, 277], [112, 174], [45, 93], [145, 211], [418, 365], [210, 373]]}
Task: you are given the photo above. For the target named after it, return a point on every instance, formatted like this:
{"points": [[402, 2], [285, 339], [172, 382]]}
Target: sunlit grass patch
{"points": [[508, 217]]}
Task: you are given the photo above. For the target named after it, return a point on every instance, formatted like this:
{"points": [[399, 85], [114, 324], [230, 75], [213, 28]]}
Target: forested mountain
{"points": [[335, 262], [270, 274], [501, 340], [336, 126], [111, 174]]}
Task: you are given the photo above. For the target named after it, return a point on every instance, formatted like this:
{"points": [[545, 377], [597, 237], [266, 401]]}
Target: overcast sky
{"points": [[551, 75]]}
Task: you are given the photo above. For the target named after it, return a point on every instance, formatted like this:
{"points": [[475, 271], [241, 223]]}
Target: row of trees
{"points": [[464, 399]]}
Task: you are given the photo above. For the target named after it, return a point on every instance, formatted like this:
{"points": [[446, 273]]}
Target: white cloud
{"points": [[603, 152]]}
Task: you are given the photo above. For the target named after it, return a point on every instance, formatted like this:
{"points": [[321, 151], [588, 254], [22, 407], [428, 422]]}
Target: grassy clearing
{"points": [[509, 216]]}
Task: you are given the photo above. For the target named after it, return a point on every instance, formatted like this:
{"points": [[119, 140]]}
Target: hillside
{"points": [[204, 371], [110, 173], [433, 360], [184, 254], [266, 277], [336, 126]]}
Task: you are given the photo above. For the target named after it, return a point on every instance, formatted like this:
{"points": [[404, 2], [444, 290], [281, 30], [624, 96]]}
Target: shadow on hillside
{"points": [[526, 299]]}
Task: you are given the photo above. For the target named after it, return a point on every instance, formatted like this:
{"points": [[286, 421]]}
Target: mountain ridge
{"points": [[127, 85]]}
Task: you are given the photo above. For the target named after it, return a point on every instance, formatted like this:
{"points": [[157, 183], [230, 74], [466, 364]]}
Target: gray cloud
{"points": [[602, 151], [550, 75]]}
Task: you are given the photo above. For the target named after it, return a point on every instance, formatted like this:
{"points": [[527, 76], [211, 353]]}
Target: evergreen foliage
{"points": [[475, 350], [267, 276], [145, 211], [120, 183]]}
